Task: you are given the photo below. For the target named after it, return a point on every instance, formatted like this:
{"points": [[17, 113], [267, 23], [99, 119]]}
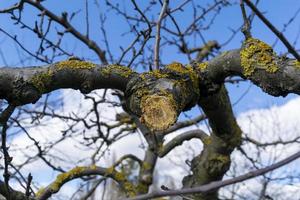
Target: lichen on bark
{"points": [[40, 80], [74, 64], [256, 54], [117, 69]]}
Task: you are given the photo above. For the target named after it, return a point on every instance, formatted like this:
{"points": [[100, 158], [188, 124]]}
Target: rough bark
{"points": [[214, 160]]}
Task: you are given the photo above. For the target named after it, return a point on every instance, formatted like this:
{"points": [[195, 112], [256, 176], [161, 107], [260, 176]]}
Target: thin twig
{"points": [[246, 27], [7, 159], [273, 29], [29, 179], [157, 38]]}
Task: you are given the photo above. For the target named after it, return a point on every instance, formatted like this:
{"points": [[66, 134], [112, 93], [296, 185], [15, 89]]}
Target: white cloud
{"points": [[264, 125]]}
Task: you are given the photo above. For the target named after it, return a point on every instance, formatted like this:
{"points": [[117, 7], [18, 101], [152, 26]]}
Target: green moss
{"points": [[41, 80], [256, 54], [116, 69], [74, 64]]}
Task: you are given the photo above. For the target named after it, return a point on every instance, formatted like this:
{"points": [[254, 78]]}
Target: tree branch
{"points": [[157, 37], [26, 85], [218, 184], [79, 172], [179, 139]]}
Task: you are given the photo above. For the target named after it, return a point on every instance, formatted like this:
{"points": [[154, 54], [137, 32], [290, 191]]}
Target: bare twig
{"points": [[178, 140], [28, 185], [273, 29], [246, 27], [7, 159], [157, 38]]}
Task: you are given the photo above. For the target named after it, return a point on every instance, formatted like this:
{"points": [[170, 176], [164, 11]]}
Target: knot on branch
{"points": [[159, 96]]}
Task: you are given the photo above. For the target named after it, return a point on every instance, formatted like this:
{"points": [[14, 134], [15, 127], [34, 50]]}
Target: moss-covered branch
{"points": [[78, 172], [20, 86], [159, 96]]}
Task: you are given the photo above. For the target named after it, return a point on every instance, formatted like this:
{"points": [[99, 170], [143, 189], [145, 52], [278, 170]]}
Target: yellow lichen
{"points": [[158, 111], [146, 165], [110, 170], [118, 70], [118, 176], [256, 54], [40, 192], [142, 92], [93, 167], [41, 79], [202, 66], [155, 73], [189, 71], [175, 66], [142, 188], [207, 140], [74, 64], [61, 178], [130, 189], [223, 158], [296, 63]]}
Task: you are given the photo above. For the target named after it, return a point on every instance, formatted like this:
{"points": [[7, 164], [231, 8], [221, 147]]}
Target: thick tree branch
{"points": [[214, 159], [26, 85], [158, 97]]}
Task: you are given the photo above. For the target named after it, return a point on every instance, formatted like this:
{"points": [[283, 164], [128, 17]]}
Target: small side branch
{"points": [[157, 38], [178, 140]]}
